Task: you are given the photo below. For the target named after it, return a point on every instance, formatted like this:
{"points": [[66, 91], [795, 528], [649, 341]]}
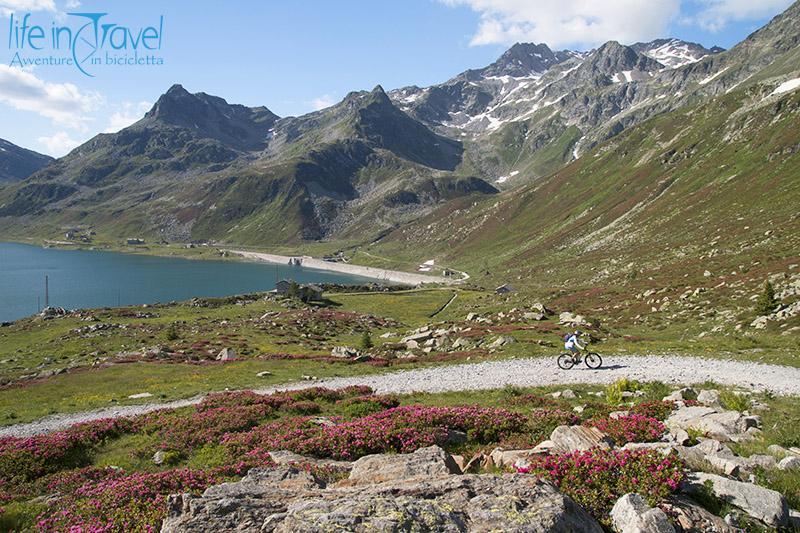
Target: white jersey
{"points": [[572, 342]]}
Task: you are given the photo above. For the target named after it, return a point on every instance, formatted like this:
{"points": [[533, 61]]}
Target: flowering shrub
{"points": [[25, 459], [659, 410], [235, 412], [304, 407], [597, 478], [401, 430], [112, 500], [630, 428], [366, 405]]}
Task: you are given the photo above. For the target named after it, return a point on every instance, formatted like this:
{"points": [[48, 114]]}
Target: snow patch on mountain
{"points": [[503, 179], [675, 54], [712, 77], [786, 86]]}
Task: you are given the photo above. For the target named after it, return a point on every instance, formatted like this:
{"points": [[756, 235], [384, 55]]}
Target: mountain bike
{"points": [[590, 359]]}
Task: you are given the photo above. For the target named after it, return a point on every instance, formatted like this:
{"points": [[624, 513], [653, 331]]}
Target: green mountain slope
{"points": [[704, 197], [18, 163], [196, 167]]}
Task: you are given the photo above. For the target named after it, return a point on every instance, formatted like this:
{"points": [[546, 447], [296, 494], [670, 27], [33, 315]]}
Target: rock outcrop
{"points": [[286, 499], [760, 503], [631, 514]]}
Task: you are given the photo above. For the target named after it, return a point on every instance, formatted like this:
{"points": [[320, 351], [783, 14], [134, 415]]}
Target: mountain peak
{"points": [[212, 116], [525, 59], [613, 57], [378, 94], [674, 53], [17, 163], [176, 88]]}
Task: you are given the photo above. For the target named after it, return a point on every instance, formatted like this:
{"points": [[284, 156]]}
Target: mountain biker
{"points": [[572, 342]]}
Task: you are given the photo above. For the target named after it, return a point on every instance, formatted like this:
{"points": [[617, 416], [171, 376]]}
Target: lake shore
{"points": [[392, 276], [218, 252]]}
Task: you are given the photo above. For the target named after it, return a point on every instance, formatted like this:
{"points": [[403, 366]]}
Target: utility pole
{"points": [[46, 291]]}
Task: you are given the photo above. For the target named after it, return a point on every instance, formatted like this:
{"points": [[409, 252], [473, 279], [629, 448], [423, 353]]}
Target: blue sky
{"points": [[295, 56]]}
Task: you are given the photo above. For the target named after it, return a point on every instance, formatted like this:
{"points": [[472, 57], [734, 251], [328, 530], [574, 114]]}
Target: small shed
{"points": [[504, 289], [311, 293], [283, 286]]}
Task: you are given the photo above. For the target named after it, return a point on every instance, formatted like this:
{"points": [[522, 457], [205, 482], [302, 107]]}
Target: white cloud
{"points": [[714, 15], [127, 114], [58, 144], [63, 103], [322, 102], [581, 23], [11, 6]]}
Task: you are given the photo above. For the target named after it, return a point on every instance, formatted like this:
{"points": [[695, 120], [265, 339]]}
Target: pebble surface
{"points": [[493, 375]]}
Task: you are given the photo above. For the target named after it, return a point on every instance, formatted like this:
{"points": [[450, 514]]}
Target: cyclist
{"points": [[572, 343]]}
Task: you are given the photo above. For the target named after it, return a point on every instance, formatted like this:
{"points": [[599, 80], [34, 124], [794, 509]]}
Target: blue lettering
{"points": [[37, 32]]}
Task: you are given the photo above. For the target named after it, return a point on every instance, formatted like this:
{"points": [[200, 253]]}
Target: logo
{"points": [[90, 42]]}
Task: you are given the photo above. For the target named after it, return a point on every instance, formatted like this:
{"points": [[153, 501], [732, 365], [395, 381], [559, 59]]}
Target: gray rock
{"points": [[501, 341], [709, 397], [724, 426], [425, 462], [794, 519], [284, 457], [159, 457], [691, 517], [286, 500], [631, 514], [568, 439], [778, 451], [686, 393], [344, 352], [760, 503], [461, 343], [226, 354], [789, 463], [534, 316]]}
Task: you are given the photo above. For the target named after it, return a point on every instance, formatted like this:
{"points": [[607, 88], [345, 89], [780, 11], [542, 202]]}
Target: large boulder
{"points": [[568, 319], [344, 352], [286, 500], [568, 439], [425, 462], [760, 503], [631, 514], [226, 354], [691, 517], [724, 426], [285, 457]]}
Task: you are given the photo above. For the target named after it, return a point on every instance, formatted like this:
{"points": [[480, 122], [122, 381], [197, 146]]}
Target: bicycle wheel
{"points": [[593, 360], [565, 361]]}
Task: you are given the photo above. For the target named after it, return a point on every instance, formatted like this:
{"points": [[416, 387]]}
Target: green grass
{"points": [[95, 388], [409, 307]]}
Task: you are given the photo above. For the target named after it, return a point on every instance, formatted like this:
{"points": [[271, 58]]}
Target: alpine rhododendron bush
{"points": [[102, 475], [597, 478], [630, 428], [400, 430]]}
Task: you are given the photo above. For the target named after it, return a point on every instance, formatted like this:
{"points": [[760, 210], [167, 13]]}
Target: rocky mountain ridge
{"points": [[196, 167], [17, 163]]}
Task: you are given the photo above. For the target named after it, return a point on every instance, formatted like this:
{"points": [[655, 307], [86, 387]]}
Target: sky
{"points": [[295, 56]]}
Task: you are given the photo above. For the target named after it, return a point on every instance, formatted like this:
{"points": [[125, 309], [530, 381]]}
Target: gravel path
{"points": [[497, 374]]}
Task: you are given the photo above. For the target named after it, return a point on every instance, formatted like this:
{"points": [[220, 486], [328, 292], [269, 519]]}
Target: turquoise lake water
{"points": [[86, 278]]}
